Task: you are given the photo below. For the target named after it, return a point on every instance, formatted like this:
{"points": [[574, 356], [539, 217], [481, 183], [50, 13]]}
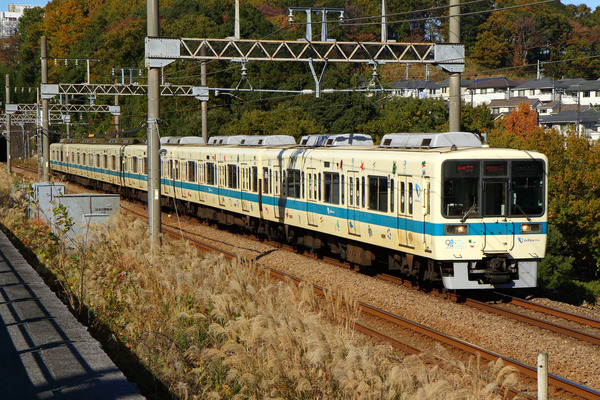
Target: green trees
{"points": [[573, 185]]}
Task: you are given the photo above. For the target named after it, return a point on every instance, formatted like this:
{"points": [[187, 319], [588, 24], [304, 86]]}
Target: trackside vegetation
{"points": [[209, 328]]}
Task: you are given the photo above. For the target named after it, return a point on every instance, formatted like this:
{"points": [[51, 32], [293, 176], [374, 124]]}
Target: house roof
{"points": [[546, 83], [418, 84], [463, 83], [486, 83], [571, 117], [549, 105], [583, 86], [573, 107], [513, 102]]}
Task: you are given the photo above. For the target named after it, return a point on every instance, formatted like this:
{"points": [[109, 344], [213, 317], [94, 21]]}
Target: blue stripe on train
{"points": [[331, 210]]}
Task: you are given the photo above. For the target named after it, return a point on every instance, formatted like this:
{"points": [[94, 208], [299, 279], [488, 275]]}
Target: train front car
{"points": [[494, 206]]}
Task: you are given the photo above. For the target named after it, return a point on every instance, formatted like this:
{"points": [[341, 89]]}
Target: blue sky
{"points": [[4, 3]]}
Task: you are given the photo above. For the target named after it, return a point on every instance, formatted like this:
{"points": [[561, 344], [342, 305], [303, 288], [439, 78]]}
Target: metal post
{"points": [[45, 115], [454, 37], [542, 376], [204, 104], [8, 123], [154, 222]]}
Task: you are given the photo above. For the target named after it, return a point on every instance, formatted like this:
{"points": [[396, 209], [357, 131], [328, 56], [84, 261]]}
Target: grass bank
{"points": [[208, 328]]}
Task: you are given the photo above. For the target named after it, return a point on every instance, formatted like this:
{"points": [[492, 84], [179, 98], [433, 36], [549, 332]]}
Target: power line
{"points": [[452, 16]]}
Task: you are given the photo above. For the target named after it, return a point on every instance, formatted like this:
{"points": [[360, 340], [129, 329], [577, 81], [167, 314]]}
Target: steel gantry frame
{"points": [[163, 51]]}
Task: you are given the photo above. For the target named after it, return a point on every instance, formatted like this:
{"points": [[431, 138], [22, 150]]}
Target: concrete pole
{"points": [[383, 22], [38, 126], [45, 115], [117, 127], [153, 140], [236, 29], [542, 375], [454, 37], [8, 124], [204, 104]]}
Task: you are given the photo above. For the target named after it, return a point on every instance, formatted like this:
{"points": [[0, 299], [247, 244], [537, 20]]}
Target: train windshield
{"points": [[493, 188]]}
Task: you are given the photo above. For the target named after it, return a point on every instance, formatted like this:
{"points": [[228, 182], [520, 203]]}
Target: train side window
{"points": [[191, 171], [410, 198], [293, 183], [392, 196], [266, 180], [378, 193], [315, 187], [364, 189], [105, 161], [320, 191], [402, 197], [255, 179], [84, 159], [357, 182], [210, 173], [114, 162], [302, 180], [134, 162], [232, 176], [343, 189], [277, 183], [145, 166], [98, 161], [351, 191], [331, 187]]}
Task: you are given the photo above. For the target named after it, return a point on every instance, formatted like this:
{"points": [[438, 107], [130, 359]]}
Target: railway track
{"points": [[530, 372]]}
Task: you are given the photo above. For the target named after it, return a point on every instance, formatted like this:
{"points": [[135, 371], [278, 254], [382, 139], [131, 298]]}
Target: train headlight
{"points": [[456, 229], [531, 228]]}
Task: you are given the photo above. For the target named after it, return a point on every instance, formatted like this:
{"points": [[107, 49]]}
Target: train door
{"points": [[499, 232], [354, 190], [312, 197], [245, 189], [405, 211], [427, 226], [221, 182]]}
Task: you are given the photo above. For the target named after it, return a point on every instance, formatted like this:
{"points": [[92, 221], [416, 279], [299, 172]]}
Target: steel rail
{"points": [[549, 310], [528, 371]]}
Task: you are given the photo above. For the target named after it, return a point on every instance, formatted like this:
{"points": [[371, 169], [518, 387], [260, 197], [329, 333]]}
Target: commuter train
{"points": [[436, 206]]}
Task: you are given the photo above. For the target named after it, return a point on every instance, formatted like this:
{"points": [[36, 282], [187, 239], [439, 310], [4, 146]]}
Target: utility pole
{"points": [[383, 22], [153, 140], [204, 104], [45, 115], [117, 128], [454, 38], [8, 123]]}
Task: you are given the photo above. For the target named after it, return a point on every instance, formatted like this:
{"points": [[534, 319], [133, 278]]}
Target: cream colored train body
{"points": [[435, 206]]}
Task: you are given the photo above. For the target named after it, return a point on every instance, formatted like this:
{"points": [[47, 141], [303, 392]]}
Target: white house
{"points": [[483, 91]]}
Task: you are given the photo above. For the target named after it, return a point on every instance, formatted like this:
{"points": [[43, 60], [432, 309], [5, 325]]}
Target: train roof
{"points": [[407, 140], [345, 139], [174, 140]]}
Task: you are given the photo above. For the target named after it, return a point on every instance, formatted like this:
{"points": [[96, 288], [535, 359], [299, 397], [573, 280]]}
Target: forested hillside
{"points": [[508, 42]]}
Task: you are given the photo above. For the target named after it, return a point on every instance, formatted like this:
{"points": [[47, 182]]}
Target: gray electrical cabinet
{"points": [[43, 203], [85, 209]]}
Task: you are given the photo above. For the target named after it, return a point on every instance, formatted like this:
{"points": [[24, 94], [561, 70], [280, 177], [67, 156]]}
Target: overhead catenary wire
{"points": [[451, 16]]}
